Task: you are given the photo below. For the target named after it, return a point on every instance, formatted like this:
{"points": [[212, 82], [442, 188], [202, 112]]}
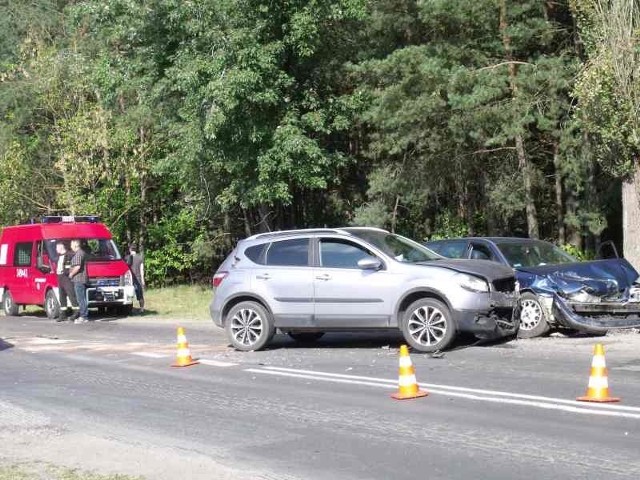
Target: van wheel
{"points": [[10, 308], [51, 305], [428, 326], [124, 310], [249, 326]]}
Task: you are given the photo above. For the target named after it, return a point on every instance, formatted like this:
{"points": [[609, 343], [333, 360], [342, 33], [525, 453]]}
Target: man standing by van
{"points": [[79, 278], [65, 287], [135, 261]]}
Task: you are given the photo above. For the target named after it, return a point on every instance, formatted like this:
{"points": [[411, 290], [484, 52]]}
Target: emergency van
{"points": [[28, 265]]}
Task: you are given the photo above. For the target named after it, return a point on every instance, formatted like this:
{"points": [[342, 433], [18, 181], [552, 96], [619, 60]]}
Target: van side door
{"points": [[22, 272]]}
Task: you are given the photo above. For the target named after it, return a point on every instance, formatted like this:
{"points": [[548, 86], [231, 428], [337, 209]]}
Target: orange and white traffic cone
{"points": [[598, 389], [407, 385], [183, 358]]}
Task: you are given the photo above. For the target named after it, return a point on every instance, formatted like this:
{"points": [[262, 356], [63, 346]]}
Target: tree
{"points": [[609, 100]]}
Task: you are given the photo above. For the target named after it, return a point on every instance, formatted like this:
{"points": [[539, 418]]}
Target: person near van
{"points": [[80, 279], [65, 287], [135, 261]]}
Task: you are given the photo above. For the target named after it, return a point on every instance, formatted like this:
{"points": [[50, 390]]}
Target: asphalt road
{"points": [[103, 396]]}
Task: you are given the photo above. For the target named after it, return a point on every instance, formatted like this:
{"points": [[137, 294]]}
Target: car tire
{"points": [[533, 318], [124, 310], [306, 337], [428, 326], [10, 308], [249, 326], [51, 305]]}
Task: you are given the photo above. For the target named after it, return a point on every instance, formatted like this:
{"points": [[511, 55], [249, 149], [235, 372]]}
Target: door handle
{"points": [[264, 276], [324, 277]]}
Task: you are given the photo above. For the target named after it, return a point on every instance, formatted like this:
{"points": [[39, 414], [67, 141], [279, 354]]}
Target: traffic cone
{"points": [[598, 389], [407, 385], [183, 358]]}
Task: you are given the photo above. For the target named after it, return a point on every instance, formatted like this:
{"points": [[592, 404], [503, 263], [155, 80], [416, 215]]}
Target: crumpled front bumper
{"points": [[595, 317], [500, 317]]}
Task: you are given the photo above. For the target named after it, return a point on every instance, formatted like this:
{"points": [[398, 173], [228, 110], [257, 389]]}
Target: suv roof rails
{"points": [[284, 233]]}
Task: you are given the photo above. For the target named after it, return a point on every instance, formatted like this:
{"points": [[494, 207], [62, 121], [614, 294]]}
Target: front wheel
{"points": [[249, 326], [533, 319], [9, 307], [428, 326], [51, 305], [124, 310]]}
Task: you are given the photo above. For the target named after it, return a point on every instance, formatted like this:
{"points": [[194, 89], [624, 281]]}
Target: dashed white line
{"points": [[149, 354], [216, 363]]}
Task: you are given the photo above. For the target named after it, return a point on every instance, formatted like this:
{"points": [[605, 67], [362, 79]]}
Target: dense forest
{"points": [[188, 124]]}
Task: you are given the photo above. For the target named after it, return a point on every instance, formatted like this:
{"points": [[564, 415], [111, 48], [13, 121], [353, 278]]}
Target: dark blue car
{"points": [[556, 289]]}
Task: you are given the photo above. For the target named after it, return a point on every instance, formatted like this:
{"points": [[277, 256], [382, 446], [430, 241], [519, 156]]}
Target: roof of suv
{"points": [[490, 239], [312, 231]]}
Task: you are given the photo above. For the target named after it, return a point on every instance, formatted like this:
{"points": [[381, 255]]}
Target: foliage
{"points": [[187, 125], [577, 253]]}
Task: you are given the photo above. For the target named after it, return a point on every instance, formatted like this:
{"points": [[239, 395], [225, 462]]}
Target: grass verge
{"points": [[189, 302], [43, 471], [186, 302]]}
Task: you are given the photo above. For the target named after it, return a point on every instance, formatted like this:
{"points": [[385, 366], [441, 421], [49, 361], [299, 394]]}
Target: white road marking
{"points": [[216, 363], [606, 406], [547, 403], [149, 354]]}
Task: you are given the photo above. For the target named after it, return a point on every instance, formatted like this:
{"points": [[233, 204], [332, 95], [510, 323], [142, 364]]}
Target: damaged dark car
{"points": [[556, 289]]}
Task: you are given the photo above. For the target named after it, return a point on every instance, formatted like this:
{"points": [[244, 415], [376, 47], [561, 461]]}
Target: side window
{"points": [[481, 252], [453, 249], [22, 255], [292, 253], [341, 254], [255, 254]]}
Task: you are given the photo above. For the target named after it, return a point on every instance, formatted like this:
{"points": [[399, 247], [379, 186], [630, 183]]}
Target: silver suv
{"points": [[307, 282]]}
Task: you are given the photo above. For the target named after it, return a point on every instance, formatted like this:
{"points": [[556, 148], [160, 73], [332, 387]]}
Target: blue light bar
{"points": [[71, 219]]}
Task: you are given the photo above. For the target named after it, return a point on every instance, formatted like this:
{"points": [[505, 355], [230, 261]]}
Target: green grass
{"points": [[189, 302], [184, 302], [43, 471]]}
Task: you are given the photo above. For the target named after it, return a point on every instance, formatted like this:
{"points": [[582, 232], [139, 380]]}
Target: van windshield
{"points": [[97, 249]]}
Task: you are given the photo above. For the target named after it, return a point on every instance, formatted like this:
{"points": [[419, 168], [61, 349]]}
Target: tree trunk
{"points": [[631, 216], [394, 214], [562, 236], [523, 161]]}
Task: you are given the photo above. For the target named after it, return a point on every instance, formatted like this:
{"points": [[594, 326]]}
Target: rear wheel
{"points": [[51, 305], [9, 307], [306, 337], [249, 326], [428, 326], [533, 319]]}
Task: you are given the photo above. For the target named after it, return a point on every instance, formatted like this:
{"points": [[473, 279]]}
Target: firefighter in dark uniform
{"points": [[63, 264]]}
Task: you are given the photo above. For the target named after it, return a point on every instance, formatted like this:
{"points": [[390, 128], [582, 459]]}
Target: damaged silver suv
{"points": [[307, 282]]}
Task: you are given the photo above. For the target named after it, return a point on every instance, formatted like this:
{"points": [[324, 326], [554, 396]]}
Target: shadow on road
{"points": [[338, 340], [4, 345]]}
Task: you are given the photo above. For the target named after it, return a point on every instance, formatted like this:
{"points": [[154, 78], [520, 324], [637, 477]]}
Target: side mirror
{"points": [[607, 250], [369, 263]]}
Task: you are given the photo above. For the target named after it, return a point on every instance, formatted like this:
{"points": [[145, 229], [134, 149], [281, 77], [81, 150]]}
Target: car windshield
{"points": [[400, 248], [533, 254], [97, 249]]}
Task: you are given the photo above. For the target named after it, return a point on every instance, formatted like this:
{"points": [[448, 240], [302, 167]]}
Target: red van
{"points": [[28, 260]]}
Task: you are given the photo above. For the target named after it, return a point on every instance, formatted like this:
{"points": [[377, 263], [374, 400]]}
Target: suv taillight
{"points": [[218, 277]]}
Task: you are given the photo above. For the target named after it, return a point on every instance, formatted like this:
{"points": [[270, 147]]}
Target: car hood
{"points": [[601, 278], [482, 268]]}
